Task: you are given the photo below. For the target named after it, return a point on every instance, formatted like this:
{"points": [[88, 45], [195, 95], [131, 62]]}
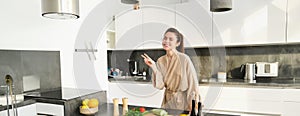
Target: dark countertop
{"points": [[20, 104], [284, 83], [107, 109], [64, 94], [53, 96]]}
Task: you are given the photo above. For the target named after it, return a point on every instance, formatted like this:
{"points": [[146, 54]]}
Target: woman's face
{"points": [[169, 41]]}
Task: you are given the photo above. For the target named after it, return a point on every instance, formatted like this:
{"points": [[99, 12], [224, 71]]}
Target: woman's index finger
{"points": [[146, 55], [143, 56]]}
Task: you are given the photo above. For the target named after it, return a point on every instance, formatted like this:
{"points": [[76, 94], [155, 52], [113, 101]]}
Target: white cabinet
{"points": [[28, 110], [218, 97], [196, 27], [251, 22], [276, 101], [144, 28], [291, 108], [3, 113], [291, 102], [291, 95], [293, 25], [85, 68], [50, 109], [128, 30], [156, 20], [110, 37], [137, 94], [252, 100]]}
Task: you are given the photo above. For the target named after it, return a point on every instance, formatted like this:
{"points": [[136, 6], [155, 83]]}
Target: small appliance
{"points": [[267, 69], [249, 71]]}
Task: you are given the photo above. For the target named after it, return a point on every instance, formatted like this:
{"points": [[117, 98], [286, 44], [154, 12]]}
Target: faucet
{"points": [[9, 91]]}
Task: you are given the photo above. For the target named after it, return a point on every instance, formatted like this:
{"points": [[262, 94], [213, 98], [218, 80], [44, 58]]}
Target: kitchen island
{"points": [[58, 102], [272, 97], [108, 109]]}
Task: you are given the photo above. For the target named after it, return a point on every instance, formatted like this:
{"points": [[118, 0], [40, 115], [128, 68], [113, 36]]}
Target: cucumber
{"points": [[159, 112]]}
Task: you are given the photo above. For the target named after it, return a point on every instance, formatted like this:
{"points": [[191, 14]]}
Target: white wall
{"points": [[23, 28]]}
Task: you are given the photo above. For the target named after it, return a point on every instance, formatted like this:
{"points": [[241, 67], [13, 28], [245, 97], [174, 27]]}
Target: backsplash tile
{"points": [[30, 69], [208, 61]]}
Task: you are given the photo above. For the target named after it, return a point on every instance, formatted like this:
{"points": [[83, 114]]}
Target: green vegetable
{"points": [[136, 112], [133, 113], [159, 112]]}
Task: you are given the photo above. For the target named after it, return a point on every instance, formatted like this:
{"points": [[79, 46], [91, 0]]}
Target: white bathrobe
{"points": [[179, 78]]}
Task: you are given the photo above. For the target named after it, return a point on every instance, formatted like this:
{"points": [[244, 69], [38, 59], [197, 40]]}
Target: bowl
{"points": [[88, 111]]}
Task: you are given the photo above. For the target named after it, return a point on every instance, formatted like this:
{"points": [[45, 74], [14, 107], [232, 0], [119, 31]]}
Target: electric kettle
{"points": [[250, 70]]}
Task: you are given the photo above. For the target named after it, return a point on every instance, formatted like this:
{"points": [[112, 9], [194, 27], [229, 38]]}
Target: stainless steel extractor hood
{"points": [[60, 9], [220, 5], [130, 1]]}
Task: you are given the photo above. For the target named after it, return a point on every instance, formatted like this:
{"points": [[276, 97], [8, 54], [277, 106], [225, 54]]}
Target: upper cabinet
{"points": [[251, 22], [128, 33], [156, 20], [144, 28], [293, 25], [193, 20]]}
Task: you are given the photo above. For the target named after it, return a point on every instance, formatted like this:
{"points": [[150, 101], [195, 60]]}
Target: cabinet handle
{"points": [[87, 50], [42, 114]]}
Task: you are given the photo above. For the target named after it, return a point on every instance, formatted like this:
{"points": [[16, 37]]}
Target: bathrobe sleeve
{"points": [[157, 76]]}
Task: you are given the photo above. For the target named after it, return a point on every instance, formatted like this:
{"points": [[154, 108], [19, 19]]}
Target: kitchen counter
{"points": [[63, 94], [107, 109], [284, 83], [19, 104], [69, 97], [280, 83]]}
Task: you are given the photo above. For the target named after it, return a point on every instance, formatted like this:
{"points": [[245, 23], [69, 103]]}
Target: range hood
{"points": [[60, 9], [220, 5], [129, 1], [153, 2]]}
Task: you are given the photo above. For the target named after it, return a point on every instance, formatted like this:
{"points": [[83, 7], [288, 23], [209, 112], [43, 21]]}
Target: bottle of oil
{"points": [[199, 109], [193, 112]]}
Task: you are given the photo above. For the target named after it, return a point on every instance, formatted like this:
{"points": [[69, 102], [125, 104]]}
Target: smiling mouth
{"points": [[165, 45]]}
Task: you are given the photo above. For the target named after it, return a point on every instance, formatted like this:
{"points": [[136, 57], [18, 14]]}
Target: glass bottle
{"points": [[199, 109], [193, 112]]}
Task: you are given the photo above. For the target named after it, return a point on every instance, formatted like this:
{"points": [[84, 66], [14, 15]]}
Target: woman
{"points": [[175, 72]]}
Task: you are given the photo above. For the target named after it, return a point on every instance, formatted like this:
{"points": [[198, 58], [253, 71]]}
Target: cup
{"points": [[222, 76], [120, 73]]}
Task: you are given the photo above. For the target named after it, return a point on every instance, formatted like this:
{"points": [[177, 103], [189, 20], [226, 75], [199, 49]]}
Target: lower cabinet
{"points": [[49, 109], [291, 108], [276, 101], [246, 100], [3, 113], [28, 110]]}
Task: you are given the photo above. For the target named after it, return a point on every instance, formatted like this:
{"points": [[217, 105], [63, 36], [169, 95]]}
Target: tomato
{"points": [[142, 109]]}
